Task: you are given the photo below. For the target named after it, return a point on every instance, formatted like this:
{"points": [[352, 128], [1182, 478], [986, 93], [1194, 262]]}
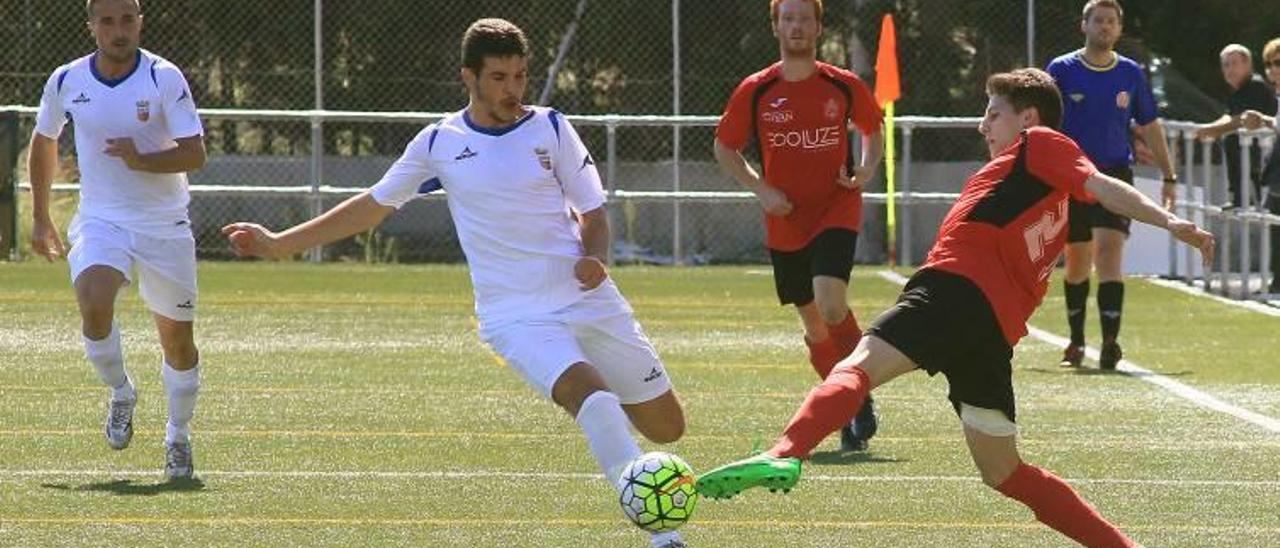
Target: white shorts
{"points": [[600, 330], [166, 267]]}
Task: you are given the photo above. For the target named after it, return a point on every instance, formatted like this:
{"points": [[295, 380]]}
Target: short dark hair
{"points": [[1113, 4], [1029, 87], [88, 7], [492, 37]]}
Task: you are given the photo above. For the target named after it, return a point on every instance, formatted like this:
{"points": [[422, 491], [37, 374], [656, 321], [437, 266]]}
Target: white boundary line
{"points": [[499, 474], [1134, 370], [1252, 306]]}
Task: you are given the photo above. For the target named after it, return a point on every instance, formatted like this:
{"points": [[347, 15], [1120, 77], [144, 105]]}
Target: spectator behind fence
{"points": [[1253, 119], [1248, 92]]}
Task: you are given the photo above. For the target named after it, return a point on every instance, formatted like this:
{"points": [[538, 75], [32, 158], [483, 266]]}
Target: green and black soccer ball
{"points": [[658, 492]]}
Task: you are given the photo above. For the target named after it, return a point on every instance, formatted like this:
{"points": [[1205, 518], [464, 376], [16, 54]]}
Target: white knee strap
{"points": [[988, 421]]}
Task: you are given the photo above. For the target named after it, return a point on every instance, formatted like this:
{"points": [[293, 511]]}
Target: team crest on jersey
{"points": [[544, 158], [1122, 99], [831, 110], [1077, 97], [144, 110]]}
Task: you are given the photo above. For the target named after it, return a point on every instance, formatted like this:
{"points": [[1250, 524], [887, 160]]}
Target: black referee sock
{"points": [[1077, 303], [1110, 306]]}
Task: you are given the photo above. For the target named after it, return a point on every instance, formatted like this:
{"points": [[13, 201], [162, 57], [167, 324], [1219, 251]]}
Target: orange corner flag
{"points": [[888, 89]]}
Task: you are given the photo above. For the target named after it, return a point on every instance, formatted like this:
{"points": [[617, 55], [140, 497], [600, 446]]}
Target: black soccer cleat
{"points": [[1110, 356], [1072, 356], [854, 437]]}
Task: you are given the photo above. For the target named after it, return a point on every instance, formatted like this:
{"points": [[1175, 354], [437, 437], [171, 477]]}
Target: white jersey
{"points": [[510, 192], [153, 105]]}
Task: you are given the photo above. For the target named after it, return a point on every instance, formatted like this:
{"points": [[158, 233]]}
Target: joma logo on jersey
{"points": [[778, 117], [1042, 232], [808, 139], [144, 110]]}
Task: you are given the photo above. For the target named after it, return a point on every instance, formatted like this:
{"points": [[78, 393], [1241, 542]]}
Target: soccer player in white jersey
{"points": [[528, 205], [137, 134]]}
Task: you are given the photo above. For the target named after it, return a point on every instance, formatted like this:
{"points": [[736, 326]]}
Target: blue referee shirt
{"points": [[1098, 103]]}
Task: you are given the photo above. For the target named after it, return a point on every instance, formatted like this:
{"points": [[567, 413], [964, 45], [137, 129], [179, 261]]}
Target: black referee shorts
{"points": [[1083, 217], [830, 253], [943, 322]]}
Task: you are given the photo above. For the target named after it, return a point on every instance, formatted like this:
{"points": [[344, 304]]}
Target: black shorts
{"points": [[1083, 217], [943, 322], [830, 253]]}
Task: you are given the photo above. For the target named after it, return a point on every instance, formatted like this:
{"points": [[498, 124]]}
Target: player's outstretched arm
{"points": [[358, 214], [42, 163], [1122, 198]]}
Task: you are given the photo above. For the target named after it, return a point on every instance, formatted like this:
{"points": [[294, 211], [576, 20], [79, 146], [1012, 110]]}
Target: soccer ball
{"points": [[657, 492]]}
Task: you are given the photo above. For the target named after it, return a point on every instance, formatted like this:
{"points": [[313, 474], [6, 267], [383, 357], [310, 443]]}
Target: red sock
{"points": [[846, 334], [823, 356], [829, 407], [1057, 505]]}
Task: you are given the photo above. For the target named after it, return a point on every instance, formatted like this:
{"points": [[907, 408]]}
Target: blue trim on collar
{"points": [[93, 68], [496, 132]]}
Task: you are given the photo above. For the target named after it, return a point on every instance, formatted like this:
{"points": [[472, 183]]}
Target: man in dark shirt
{"points": [[1253, 119], [1248, 92]]}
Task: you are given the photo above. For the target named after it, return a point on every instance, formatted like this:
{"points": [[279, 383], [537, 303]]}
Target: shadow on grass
{"points": [[1089, 371], [128, 487], [858, 457]]}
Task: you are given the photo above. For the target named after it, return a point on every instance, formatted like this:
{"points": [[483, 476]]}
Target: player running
{"points": [[137, 134], [965, 309], [529, 208], [797, 112]]}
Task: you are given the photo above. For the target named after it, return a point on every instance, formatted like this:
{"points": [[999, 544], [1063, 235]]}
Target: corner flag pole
{"points": [[888, 90]]}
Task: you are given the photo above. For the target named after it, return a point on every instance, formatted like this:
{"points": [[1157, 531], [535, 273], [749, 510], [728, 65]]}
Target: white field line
{"points": [[576, 476], [1134, 370], [1252, 306]]}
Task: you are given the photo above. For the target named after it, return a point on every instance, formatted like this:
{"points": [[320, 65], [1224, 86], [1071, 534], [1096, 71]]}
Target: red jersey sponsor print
{"points": [[802, 131], [1009, 224]]}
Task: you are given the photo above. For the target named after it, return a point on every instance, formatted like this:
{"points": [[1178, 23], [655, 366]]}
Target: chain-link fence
{"points": [[401, 55]]}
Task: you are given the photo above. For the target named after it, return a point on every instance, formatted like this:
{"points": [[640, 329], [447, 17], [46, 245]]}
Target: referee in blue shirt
{"points": [[1102, 91]]}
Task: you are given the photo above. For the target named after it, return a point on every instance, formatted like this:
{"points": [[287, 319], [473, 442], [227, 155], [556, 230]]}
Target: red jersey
{"points": [[1009, 224], [801, 129]]}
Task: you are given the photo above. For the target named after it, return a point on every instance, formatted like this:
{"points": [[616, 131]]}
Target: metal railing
{"points": [[1233, 227]]}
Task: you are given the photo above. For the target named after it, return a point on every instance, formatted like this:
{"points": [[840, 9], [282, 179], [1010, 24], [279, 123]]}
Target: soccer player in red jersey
{"points": [[798, 113], [965, 309]]}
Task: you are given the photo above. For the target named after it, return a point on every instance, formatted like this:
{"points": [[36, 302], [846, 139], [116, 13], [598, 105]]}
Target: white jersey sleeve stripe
{"points": [[179, 107], [51, 117], [410, 176], [576, 170]]}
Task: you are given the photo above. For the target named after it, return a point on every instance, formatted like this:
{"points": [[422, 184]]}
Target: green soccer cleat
{"points": [[763, 470]]}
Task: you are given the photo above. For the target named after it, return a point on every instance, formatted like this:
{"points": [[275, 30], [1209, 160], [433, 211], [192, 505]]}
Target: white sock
{"points": [[181, 387], [658, 540], [107, 357], [608, 433]]}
